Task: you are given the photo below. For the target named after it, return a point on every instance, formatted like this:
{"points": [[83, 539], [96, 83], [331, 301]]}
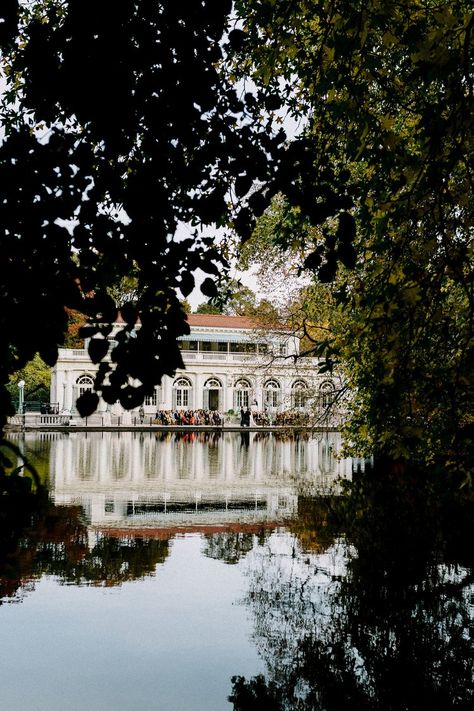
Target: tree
{"points": [[38, 538], [75, 322], [383, 170], [378, 181], [208, 308], [37, 378], [386, 624], [117, 126], [236, 299], [280, 250]]}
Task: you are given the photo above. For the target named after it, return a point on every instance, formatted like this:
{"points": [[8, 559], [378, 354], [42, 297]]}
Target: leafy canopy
{"points": [[382, 167], [121, 120], [116, 127]]}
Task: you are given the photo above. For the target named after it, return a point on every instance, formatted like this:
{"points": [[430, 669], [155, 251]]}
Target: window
{"points": [[242, 390], [188, 345], [153, 399], [271, 393], [299, 394], [238, 347], [84, 383], [213, 383], [182, 393], [212, 390], [326, 394]]}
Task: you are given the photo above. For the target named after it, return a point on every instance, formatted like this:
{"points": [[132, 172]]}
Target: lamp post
{"points": [[21, 396], [21, 400]]}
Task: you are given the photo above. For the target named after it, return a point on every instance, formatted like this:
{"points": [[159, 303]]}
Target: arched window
{"points": [[213, 383], [182, 391], [271, 393], [242, 392], [299, 394], [212, 394], [83, 384], [326, 394]]}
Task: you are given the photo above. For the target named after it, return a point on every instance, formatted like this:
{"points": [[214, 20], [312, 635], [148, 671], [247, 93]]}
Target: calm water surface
{"points": [[172, 571]]}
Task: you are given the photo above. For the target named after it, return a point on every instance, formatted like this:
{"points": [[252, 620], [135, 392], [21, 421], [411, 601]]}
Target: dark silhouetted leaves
{"points": [[236, 39], [130, 398], [49, 354], [98, 349], [313, 260], [327, 271], [243, 185], [8, 21], [347, 255], [87, 403], [129, 312], [187, 283], [346, 230], [209, 288]]}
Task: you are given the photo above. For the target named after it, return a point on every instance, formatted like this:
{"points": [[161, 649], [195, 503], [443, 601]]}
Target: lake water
{"points": [[171, 571]]}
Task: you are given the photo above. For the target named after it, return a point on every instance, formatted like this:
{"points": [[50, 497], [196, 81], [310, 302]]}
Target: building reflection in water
{"points": [[165, 479]]}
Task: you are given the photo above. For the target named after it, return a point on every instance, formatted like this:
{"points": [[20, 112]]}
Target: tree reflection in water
{"points": [[230, 547], [369, 608], [38, 538]]}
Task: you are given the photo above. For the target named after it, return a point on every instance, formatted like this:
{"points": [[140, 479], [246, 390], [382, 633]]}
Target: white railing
{"points": [[68, 353], [214, 356], [221, 357], [15, 420], [54, 419]]}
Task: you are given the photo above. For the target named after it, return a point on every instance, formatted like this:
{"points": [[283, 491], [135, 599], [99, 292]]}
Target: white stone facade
{"points": [[229, 364]]}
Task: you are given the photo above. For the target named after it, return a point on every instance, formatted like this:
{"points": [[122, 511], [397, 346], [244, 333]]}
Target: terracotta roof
{"points": [[220, 321]]}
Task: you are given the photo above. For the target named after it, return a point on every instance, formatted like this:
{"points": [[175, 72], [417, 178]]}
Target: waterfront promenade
{"points": [[31, 421]]}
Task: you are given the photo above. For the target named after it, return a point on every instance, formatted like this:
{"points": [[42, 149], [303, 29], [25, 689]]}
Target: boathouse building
{"points": [[230, 363]]}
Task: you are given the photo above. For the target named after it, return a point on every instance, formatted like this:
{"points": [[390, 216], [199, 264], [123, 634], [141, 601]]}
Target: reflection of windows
{"points": [[326, 458], [242, 389], [299, 393], [271, 392], [326, 394], [84, 383], [181, 393]]}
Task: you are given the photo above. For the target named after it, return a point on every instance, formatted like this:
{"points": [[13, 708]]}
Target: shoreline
{"points": [[168, 428]]}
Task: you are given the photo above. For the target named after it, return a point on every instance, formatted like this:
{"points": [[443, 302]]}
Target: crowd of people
{"points": [[212, 418], [290, 418], [189, 417]]}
